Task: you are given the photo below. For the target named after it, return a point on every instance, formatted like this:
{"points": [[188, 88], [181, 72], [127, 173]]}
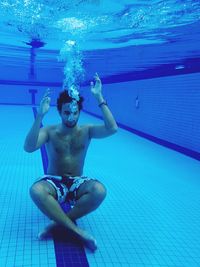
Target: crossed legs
{"points": [[89, 196]]}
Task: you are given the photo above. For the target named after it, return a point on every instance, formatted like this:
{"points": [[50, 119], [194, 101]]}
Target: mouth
{"points": [[70, 123]]}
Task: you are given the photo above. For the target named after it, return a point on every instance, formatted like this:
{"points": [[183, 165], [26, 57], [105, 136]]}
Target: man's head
{"points": [[69, 108]]}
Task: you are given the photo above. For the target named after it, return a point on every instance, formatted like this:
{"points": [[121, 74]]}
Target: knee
{"points": [[99, 191], [37, 191]]}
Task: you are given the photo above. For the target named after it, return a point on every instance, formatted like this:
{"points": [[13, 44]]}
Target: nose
{"points": [[71, 117]]}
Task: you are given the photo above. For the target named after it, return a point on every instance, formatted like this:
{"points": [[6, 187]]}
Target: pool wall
{"points": [[165, 108]]}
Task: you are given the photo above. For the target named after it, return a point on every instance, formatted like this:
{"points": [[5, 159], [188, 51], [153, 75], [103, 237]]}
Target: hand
{"points": [[97, 87], [45, 103]]}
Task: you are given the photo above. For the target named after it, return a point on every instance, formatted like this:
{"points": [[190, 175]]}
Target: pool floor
{"points": [[150, 217]]}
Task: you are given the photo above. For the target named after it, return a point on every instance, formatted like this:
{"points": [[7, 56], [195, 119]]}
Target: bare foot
{"points": [[47, 231], [89, 241]]}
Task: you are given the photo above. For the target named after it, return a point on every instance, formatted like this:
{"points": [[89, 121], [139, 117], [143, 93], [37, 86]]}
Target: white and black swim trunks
{"points": [[66, 186]]}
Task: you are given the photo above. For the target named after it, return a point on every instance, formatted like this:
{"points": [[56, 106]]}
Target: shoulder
{"points": [[85, 129], [52, 128], [100, 131], [49, 130]]}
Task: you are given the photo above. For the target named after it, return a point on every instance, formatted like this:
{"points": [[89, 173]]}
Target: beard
{"points": [[71, 124]]}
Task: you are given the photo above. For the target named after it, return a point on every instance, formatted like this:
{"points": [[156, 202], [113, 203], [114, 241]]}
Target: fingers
{"points": [[96, 76], [46, 98], [47, 92], [97, 80], [91, 84]]}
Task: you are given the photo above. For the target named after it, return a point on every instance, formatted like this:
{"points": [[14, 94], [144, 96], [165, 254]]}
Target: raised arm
{"points": [[110, 126], [38, 136]]}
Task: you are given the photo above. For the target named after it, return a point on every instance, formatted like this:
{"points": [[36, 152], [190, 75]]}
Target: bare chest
{"points": [[70, 145]]}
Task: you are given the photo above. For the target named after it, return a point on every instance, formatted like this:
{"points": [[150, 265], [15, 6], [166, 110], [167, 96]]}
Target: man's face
{"points": [[70, 114]]}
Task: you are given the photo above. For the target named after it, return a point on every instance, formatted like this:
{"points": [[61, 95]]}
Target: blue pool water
{"points": [[147, 55]]}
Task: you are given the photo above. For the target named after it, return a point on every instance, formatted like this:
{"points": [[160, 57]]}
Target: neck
{"points": [[67, 130]]}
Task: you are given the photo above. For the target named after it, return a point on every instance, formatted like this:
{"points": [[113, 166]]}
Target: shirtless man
{"points": [[66, 145]]}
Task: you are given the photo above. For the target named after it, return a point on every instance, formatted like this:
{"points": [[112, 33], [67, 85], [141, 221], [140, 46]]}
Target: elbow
{"points": [[113, 130], [28, 149]]}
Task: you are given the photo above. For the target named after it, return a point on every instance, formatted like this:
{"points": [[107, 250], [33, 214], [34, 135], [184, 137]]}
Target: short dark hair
{"points": [[65, 98]]}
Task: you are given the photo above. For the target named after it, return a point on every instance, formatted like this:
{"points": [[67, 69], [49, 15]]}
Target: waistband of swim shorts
{"points": [[59, 178], [62, 179]]}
